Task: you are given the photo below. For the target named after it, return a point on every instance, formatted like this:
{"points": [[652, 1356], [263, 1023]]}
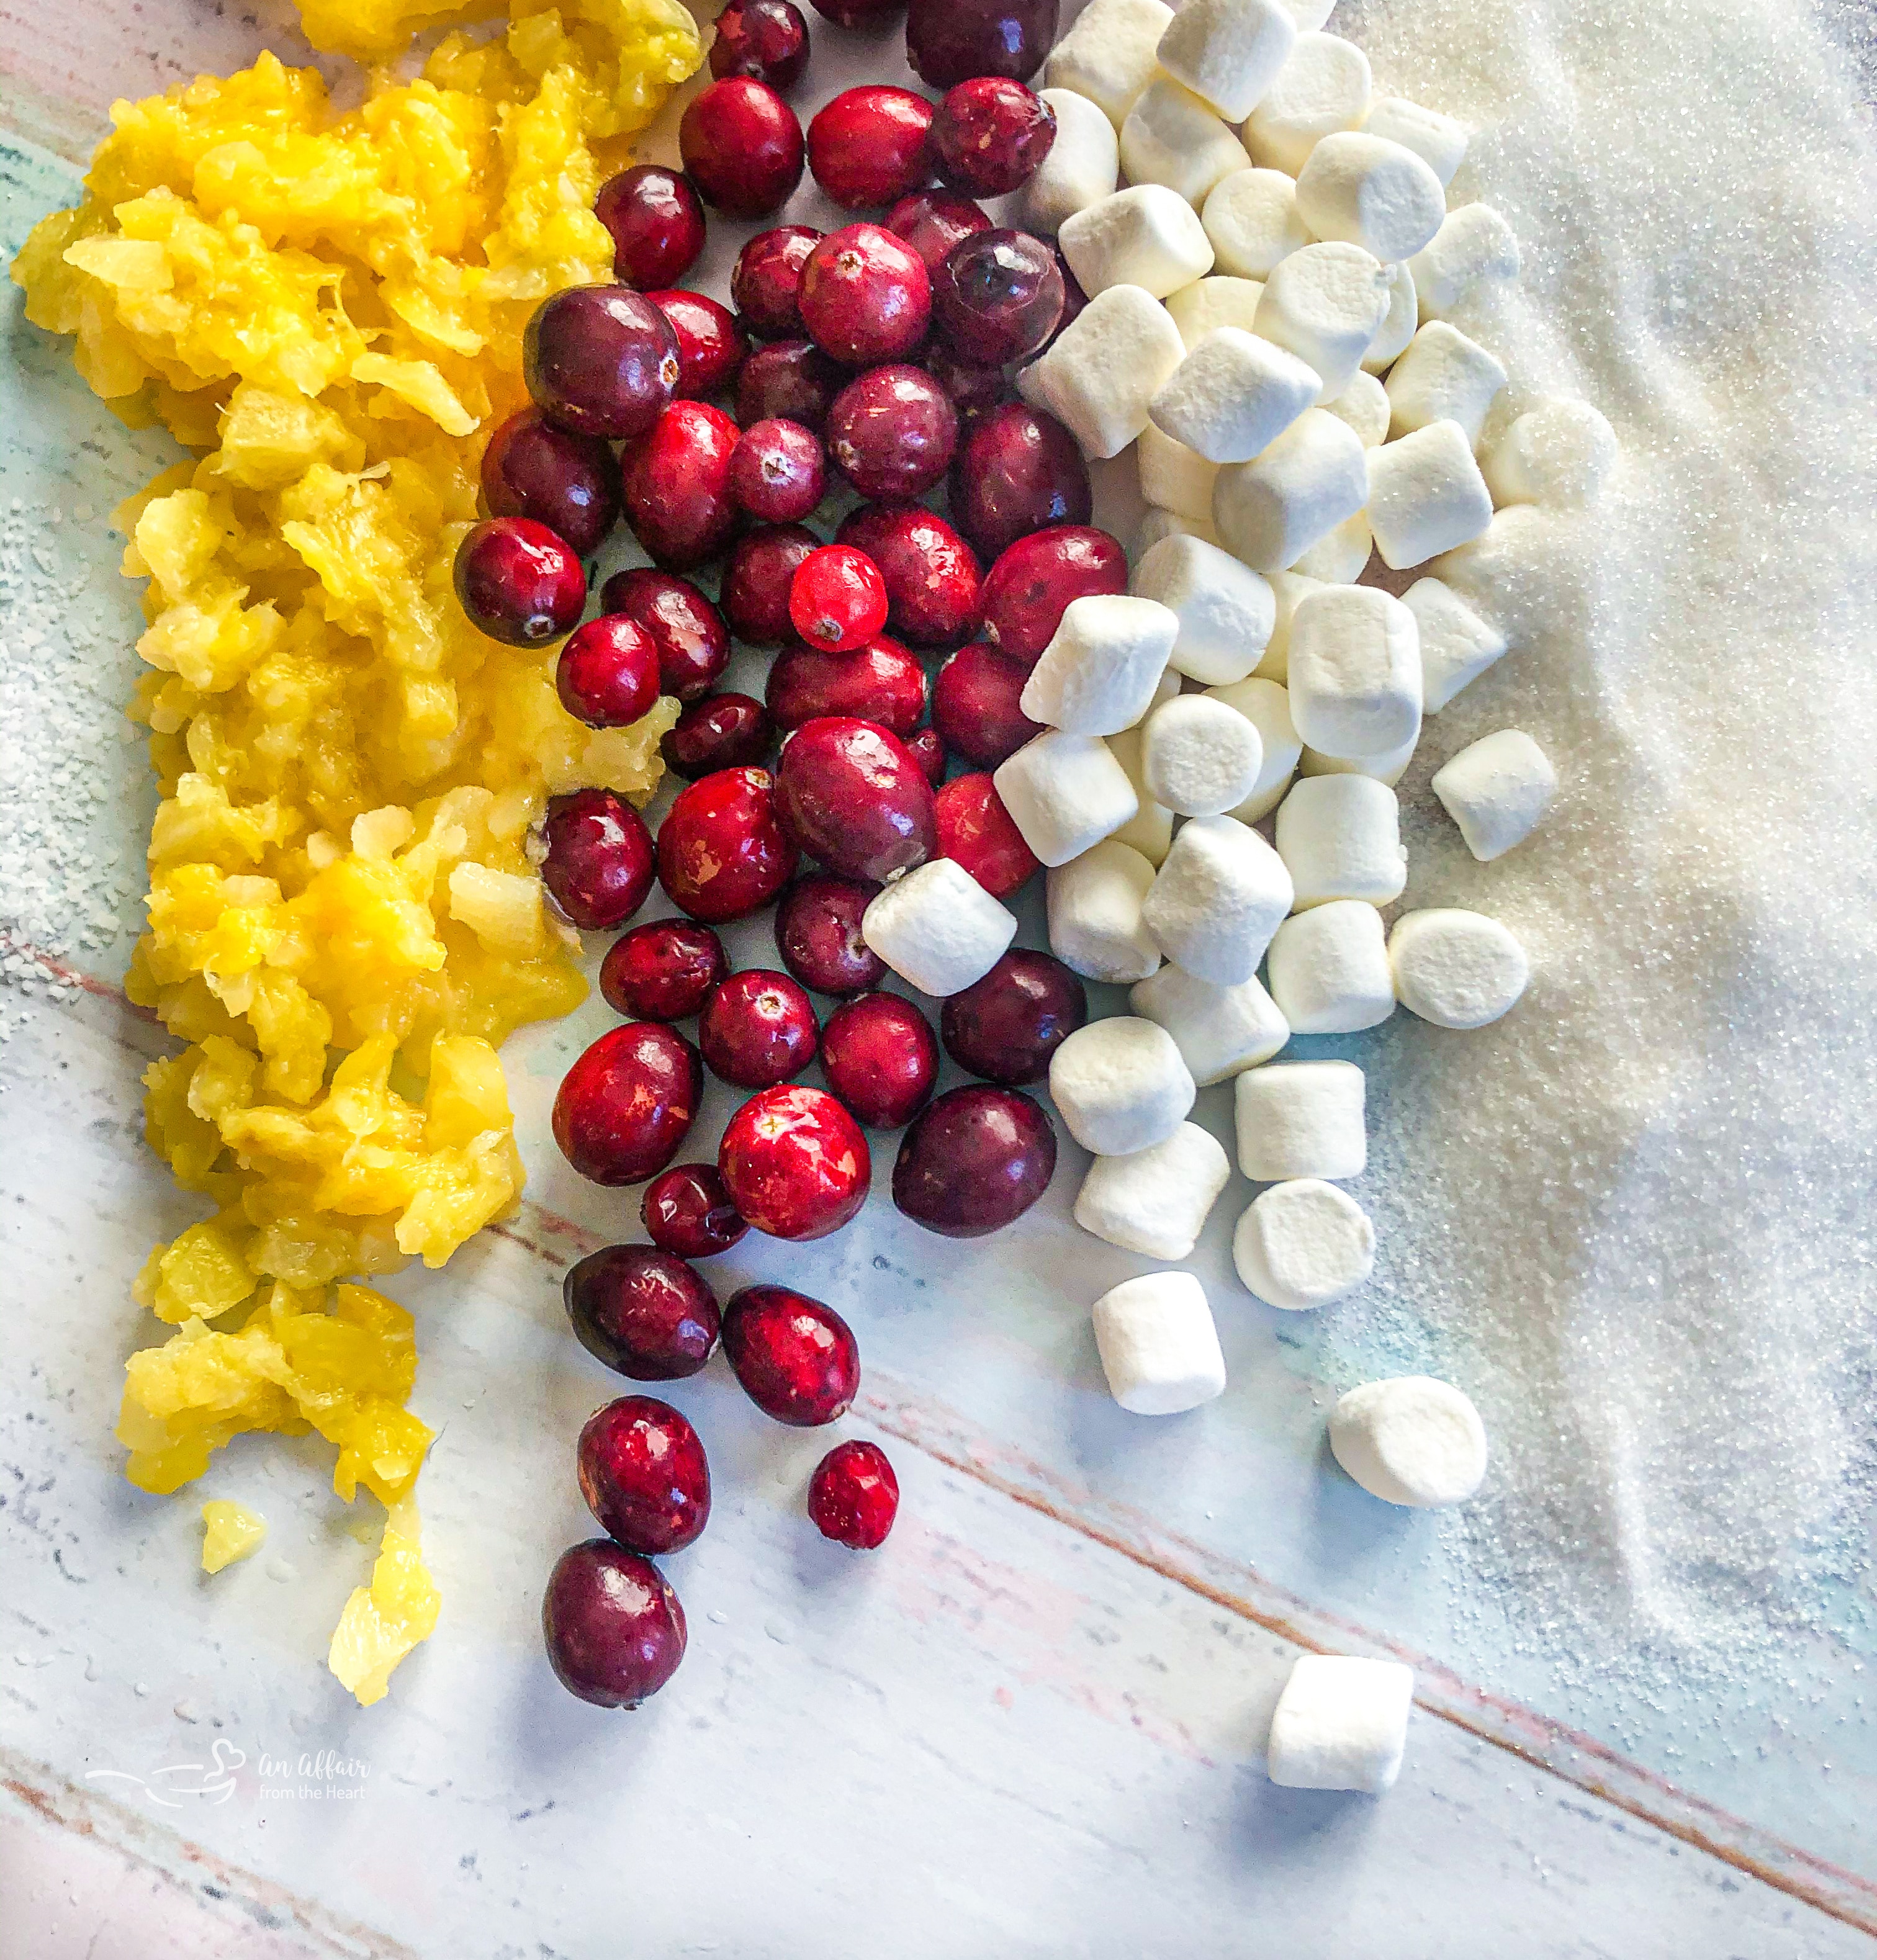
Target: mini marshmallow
{"points": [[1172, 138], [1497, 790], [1098, 672], [1309, 15], [1155, 1202], [1340, 557], [1083, 166], [1271, 510], [1288, 589], [1225, 610], [1328, 970], [1220, 1031], [1159, 1347], [1474, 248], [1303, 1244], [1457, 646], [1146, 236], [1233, 395], [1110, 55], [1150, 831], [1100, 372], [1120, 1086], [1558, 452], [1363, 405], [1326, 304], [1198, 757], [1228, 51], [1175, 477], [1095, 926], [1301, 1119], [1341, 1724], [1156, 524], [938, 928], [1340, 837], [1456, 968], [1252, 218], [1217, 899], [1412, 1441], [1362, 188], [1439, 141], [1064, 793], [1399, 324], [1389, 767], [1266, 704], [1322, 88], [1443, 377], [1426, 496], [1211, 303], [1355, 670]]}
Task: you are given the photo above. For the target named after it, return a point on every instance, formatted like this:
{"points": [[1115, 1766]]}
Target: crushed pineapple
{"points": [[344, 923], [229, 1531]]}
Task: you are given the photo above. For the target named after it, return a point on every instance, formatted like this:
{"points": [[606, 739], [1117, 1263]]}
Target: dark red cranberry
{"points": [[865, 297], [976, 830], [880, 683], [712, 345], [692, 640], [792, 380], [688, 1213], [797, 1359], [892, 431], [795, 1162], [949, 41], [762, 566], [607, 672], [998, 297], [656, 223], [722, 852], [777, 472], [977, 1159], [721, 731], [642, 1311], [977, 705], [990, 134], [881, 1057], [848, 793], [643, 1474], [743, 147], [857, 13], [601, 361], [676, 483], [837, 601], [662, 971], [533, 468], [766, 39], [1017, 470], [518, 582], [629, 1102], [1006, 1026], [758, 1030], [867, 146], [766, 281], [817, 934], [925, 748], [932, 579], [853, 1496], [933, 221], [974, 389], [614, 1629], [1029, 589], [598, 868], [1073, 298]]}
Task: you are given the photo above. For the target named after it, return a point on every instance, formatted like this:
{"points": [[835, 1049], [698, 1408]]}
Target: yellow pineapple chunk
{"points": [[229, 1531]]}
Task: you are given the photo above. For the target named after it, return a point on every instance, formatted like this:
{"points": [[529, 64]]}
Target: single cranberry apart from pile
{"points": [[518, 582], [601, 361], [974, 388], [628, 1102], [1029, 589], [758, 1030], [792, 380], [662, 971], [880, 683], [990, 134], [765, 39], [533, 468], [933, 221], [836, 599], [1006, 1027], [777, 471], [866, 297], [932, 578], [892, 431], [976, 830], [1017, 470], [817, 934], [607, 672], [722, 851], [853, 1496], [977, 705], [688, 1212], [656, 223], [763, 563], [641, 1311], [643, 1474], [766, 281], [925, 748], [721, 731], [692, 640], [949, 41], [795, 1162], [868, 145], [881, 1057], [676, 484], [598, 868], [614, 1629], [976, 1160], [848, 793], [712, 345], [998, 297], [742, 147], [796, 1358]]}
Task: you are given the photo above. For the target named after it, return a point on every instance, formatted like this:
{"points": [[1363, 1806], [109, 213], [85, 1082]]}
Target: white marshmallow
{"points": [[1271, 510], [1198, 757], [1326, 303], [1323, 87], [1225, 610], [1341, 1724], [1328, 970], [1156, 524], [1426, 496], [1301, 1119], [1228, 51], [1474, 248], [1355, 670], [1363, 405], [1217, 899], [1456, 968], [1175, 477], [1064, 793], [1099, 374], [1439, 141], [1252, 218], [1110, 54], [1368, 191], [1220, 1031], [1287, 588], [1340, 837], [1309, 15], [1303, 1244], [1155, 1202], [1497, 790], [1150, 831], [1266, 704], [1098, 672], [1340, 557], [938, 927], [1159, 1347], [1172, 138], [1120, 1086], [1147, 235], [1412, 1441], [1389, 767], [1457, 646], [1095, 926], [1443, 377], [1397, 325], [1233, 395], [1211, 303], [1558, 452], [1084, 165]]}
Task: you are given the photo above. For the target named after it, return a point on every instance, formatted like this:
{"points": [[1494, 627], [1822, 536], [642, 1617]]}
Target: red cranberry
{"points": [[692, 640], [925, 748], [837, 601], [762, 566], [644, 1312], [867, 146], [656, 223], [676, 485], [998, 297], [933, 221], [892, 431], [722, 851], [766, 39], [628, 1102], [777, 472], [792, 380], [973, 389], [881, 1057], [932, 579], [607, 673], [880, 683], [1029, 589], [990, 134], [1006, 1026], [797, 1360], [848, 793], [976, 830], [817, 934], [722, 731], [977, 705], [949, 41], [712, 345], [853, 1496], [533, 468], [976, 1159], [857, 13], [518, 582], [1073, 298], [598, 868], [614, 1629], [742, 147], [1017, 470], [643, 1474], [757, 1030], [866, 297], [662, 971], [687, 1211], [766, 281], [601, 361], [795, 1162]]}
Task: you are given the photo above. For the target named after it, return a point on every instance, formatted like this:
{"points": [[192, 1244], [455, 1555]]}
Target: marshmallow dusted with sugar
{"points": [[1250, 217], [1233, 395], [1326, 304], [1438, 140], [1457, 646], [1474, 248], [1159, 1347], [1110, 54], [1200, 757], [1413, 1441], [1426, 496], [938, 928], [1558, 452], [1443, 377], [1064, 793], [1301, 1119], [1363, 405], [1398, 323], [1354, 671], [1341, 1723], [1388, 767], [1099, 374], [1147, 235], [1341, 556], [1303, 1244], [1288, 589], [1206, 304], [1228, 51], [1324, 86], [1456, 968], [1220, 1031], [1497, 790], [1172, 138], [1266, 704], [1217, 899], [1155, 1201], [1099, 671], [1083, 165], [1340, 837], [1271, 510], [1094, 910], [1226, 610], [1367, 191], [1121, 1086], [1329, 969]]}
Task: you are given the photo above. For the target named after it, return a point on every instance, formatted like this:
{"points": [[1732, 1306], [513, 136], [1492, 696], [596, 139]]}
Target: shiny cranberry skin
{"points": [[601, 361], [742, 147], [791, 380], [720, 731], [848, 793], [762, 566], [925, 748], [642, 1311], [837, 601], [598, 868], [976, 705], [932, 578], [629, 1102], [662, 971], [676, 483], [688, 1213], [853, 1496], [998, 297], [607, 672], [1006, 1026], [766, 39], [817, 934], [518, 582], [990, 134], [881, 1057], [766, 281], [976, 1159], [1029, 589], [757, 1030], [656, 223], [949, 41], [722, 851], [712, 346], [795, 1162], [1073, 298], [533, 468], [933, 221], [866, 297], [1017, 470], [867, 146], [974, 389], [643, 1472], [797, 1359], [892, 431], [880, 683], [614, 1629], [777, 472], [857, 13], [692, 640], [976, 830]]}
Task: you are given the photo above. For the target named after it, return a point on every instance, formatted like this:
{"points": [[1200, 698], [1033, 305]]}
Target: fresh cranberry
{"points": [[949, 41], [973, 389], [865, 297], [791, 380], [766, 39], [762, 566], [857, 13], [977, 708], [1006, 1026], [998, 297], [976, 830], [817, 934], [990, 134], [848, 793], [766, 281], [676, 485], [837, 601], [644, 1312], [692, 640], [643, 1474], [797, 1359], [533, 468], [881, 1057], [656, 223], [795, 1162], [777, 472], [933, 221], [742, 147], [722, 851], [758, 1030], [1029, 589], [662, 971], [712, 345], [721, 731], [601, 361], [1017, 470], [925, 748], [977, 1159], [853, 1496], [614, 1629], [598, 868], [629, 1102], [880, 683], [892, 431], [932, 578], [867, 146], [607, 673], [518, 582], [1073, 298], [688, 1213]]}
